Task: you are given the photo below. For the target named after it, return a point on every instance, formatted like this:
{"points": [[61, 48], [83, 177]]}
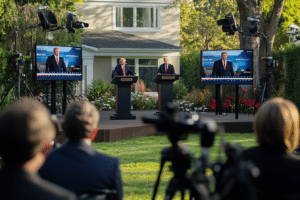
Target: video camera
{"points": [[228, 24], [270, 62], [72, 24], [231, 179], [293, 32], [19, 61]]}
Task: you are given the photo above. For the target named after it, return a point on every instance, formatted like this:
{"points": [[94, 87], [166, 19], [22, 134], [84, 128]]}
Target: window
{"points": [[147, 72], [137, 18]]}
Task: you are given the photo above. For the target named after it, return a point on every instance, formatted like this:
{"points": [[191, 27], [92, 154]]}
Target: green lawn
{"points": [[140, 160]]}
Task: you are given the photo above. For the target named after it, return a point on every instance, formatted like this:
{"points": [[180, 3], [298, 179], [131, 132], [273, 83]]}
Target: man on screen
{"points": [[223, 67], [166, 68], [122, 69], [55, 63]]}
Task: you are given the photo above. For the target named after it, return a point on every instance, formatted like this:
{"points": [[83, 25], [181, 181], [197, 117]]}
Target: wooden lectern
{"points": [[123, 97], [165, 89]]}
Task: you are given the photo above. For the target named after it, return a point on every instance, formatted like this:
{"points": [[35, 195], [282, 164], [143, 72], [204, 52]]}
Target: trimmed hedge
{"points": [[292, 80]]}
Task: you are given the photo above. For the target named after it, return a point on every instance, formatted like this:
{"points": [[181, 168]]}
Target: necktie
{"points": [[57, 61], [224, 66], [166, 69], [124, 71]]}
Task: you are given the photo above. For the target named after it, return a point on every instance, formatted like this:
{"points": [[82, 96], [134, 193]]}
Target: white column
{"points": [[88, 64]]}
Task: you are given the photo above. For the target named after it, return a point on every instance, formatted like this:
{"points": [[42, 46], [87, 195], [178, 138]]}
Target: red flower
{"points": [[226, 95], [243, 101], [197, 100], [229, 104], [225, 104], [200, 98], [227, 100], [213, 101], [244, 91], [257, 105], [231, 97]]}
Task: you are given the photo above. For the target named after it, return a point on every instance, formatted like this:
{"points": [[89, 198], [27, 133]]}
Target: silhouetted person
{"points": [[76, 165], [26, 131]]}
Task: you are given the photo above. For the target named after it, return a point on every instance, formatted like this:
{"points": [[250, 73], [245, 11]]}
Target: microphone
{"points": [[42, 8], [71, 13], [252, 19]]}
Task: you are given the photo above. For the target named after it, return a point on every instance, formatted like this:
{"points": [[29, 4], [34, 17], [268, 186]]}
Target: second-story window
{"points": [[137, 18]]}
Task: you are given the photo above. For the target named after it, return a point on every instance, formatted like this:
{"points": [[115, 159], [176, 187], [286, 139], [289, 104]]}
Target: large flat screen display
{"points": [[238, 68], [58, 63]]}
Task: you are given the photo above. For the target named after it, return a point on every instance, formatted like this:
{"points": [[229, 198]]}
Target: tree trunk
{"points": [[249, 8]]}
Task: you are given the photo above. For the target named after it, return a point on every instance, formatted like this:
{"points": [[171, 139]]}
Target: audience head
{"points": [[26, 130], [81, 121], [277, 125]]}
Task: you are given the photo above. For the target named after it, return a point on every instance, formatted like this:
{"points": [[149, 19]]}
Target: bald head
{"points": [[25, 128]]}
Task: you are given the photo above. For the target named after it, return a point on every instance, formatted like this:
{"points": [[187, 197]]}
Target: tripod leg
{"points": [[170, 192], [182, 194], [274, 90], [264, 93]]}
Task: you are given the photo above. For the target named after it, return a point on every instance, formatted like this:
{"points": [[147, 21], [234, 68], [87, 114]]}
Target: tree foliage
{"points": [[19, 15], [198, 24], [290, 15]]}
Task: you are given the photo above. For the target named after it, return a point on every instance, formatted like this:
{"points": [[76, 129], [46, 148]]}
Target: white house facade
{"points": [[141, 31]]}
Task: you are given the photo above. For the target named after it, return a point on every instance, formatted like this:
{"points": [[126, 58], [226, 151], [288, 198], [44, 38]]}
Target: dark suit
{"points": [[218, 69], [52, 66], [81, 169], [279, 173], [162, 69], [118, 71], [18, 184]]}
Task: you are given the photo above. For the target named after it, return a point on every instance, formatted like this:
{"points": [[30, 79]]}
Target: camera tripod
{"points": [[264, 98], [181, 162]]}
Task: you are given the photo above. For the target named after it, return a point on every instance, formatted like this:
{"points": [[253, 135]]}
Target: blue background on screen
{"points": [[242, 60], [71, 55]]}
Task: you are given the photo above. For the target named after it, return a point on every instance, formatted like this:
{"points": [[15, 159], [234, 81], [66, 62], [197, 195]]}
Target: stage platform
{"points": [[113, 130]]}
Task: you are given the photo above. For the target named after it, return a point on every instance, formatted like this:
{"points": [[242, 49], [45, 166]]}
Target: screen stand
{"points": [[237, 101], [64, 103], [53, 97], [218, 100]]}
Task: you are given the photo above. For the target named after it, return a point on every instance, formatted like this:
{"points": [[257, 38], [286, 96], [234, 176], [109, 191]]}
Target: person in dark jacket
{"points": [[26, 131], [76, 165], [276, 127], [166, 68], [122, 69]]}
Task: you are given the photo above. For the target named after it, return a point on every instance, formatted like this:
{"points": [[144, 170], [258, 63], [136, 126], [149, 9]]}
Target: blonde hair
{"points": [[277, 125], [55, 49], [81, 119]]}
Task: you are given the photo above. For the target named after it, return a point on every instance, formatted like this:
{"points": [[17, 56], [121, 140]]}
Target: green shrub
{"points": [[292, 80], [179, 89], [98, 88], [190, 69], [105, 102], [142, 102]]}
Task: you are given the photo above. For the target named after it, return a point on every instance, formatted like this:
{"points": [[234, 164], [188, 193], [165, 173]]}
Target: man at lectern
{"points": [[55, 63], [223, 67], [122, 69], [166, 68]]}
